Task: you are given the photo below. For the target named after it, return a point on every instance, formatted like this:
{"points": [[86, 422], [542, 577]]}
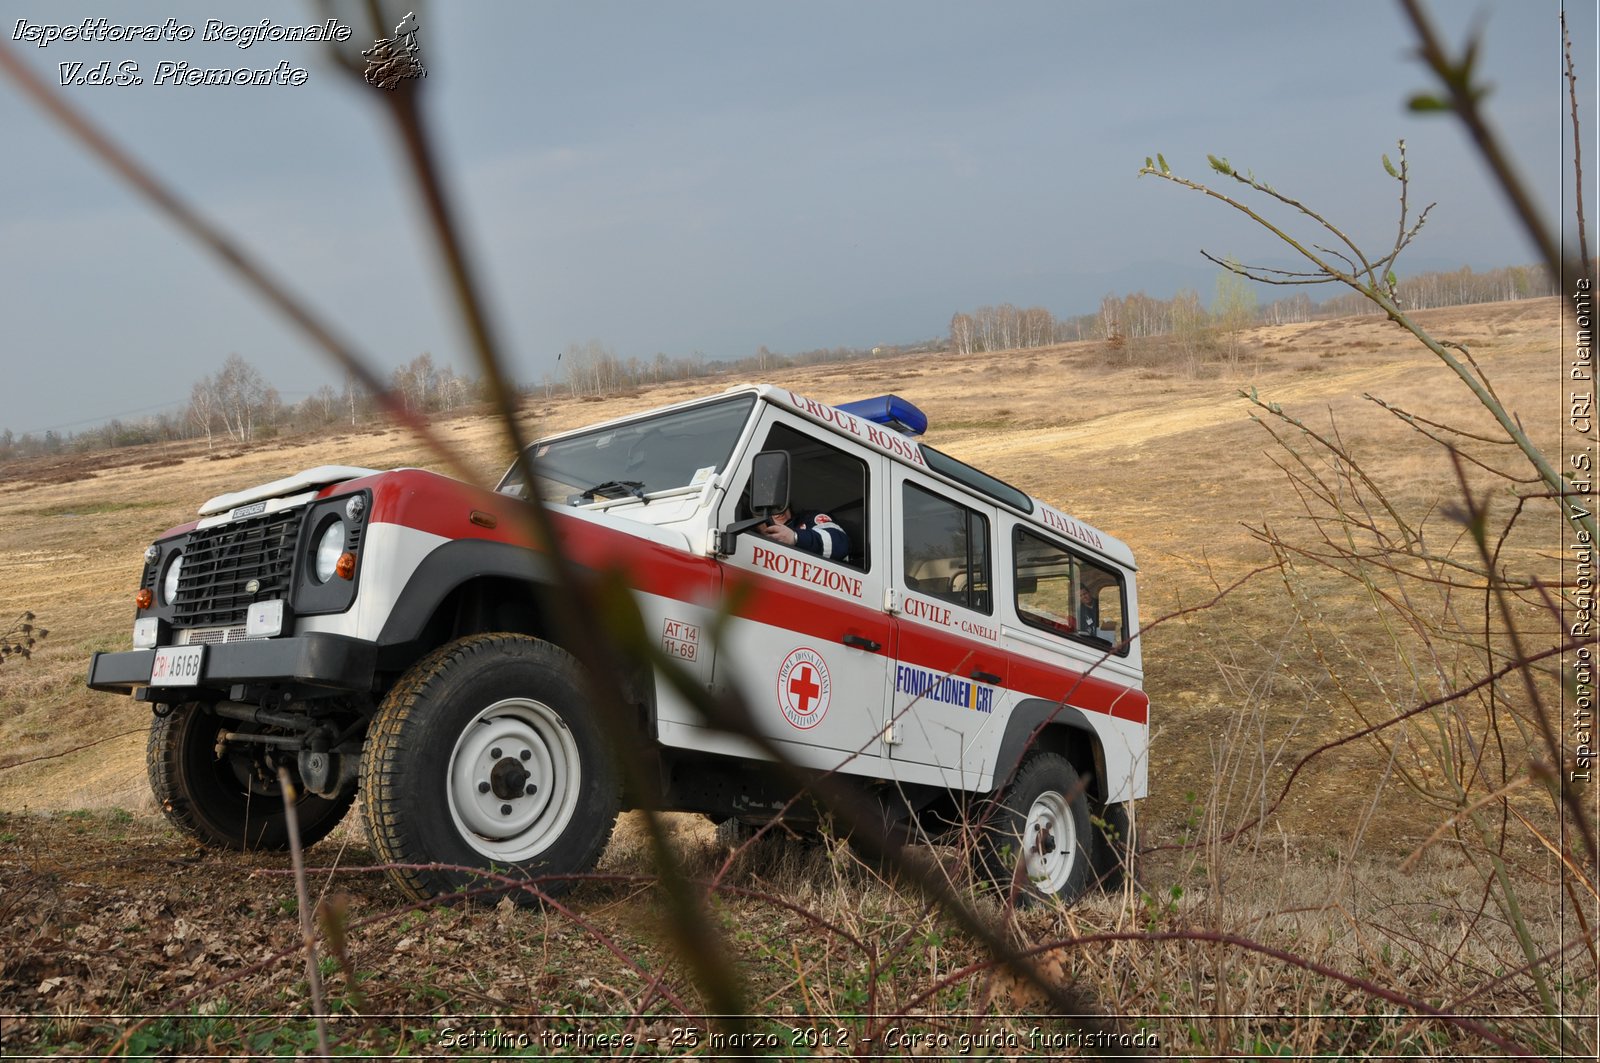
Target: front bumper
{"points": [[318, 661]]}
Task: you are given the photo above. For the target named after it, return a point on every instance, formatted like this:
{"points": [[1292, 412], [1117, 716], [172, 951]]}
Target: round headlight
{"points": [[169, 582], [329, 547]]}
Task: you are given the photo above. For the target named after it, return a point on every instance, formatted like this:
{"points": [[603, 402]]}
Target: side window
{"points": [[824, 480], [946, 550], [1064, 594]]}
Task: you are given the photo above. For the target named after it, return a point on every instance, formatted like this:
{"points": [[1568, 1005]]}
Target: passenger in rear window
{"points": [[1059, 592]]}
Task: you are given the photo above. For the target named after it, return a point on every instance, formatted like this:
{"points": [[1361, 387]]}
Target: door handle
{"points": [[985, 677], [861, 642]]}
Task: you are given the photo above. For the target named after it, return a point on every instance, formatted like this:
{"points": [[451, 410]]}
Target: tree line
{"points": [[1123, 318], [236, 406], [593, 369]]}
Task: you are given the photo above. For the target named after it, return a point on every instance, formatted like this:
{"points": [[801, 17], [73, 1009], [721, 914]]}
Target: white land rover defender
{"points": [[386, 633]]}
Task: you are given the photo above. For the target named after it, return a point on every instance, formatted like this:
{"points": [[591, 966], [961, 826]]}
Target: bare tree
{"points": [[355, 396], [203, 407], [416, 382], [325, 401], [961, 333], [1233, 309], [1110, 323], [241, 394], [1191, 328], [593, 368]]}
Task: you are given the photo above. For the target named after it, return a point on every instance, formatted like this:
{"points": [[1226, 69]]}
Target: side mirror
{"points": [[769, 482], [769, 493]]}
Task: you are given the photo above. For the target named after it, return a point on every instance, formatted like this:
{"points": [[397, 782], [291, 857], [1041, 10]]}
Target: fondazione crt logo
{"points": [[389, 61]]}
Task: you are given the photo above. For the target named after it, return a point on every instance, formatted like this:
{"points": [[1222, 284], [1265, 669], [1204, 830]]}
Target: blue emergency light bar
{"points": [[891, 411]]}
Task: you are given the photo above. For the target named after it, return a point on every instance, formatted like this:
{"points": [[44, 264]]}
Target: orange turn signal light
{"points": [[345, 567], [144, 598]]}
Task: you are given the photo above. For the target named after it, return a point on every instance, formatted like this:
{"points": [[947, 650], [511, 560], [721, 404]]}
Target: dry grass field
{"points": [[1240, 692]]}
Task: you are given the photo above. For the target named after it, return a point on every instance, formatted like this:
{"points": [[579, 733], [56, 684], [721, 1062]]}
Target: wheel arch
{"points": [[472, 587], [467, 587], [1037, 724]]}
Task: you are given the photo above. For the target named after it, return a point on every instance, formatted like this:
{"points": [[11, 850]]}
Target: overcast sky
{"points": [[714, 176]]}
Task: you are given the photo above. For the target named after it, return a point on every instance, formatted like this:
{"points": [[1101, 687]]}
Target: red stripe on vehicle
{"points": [[939, 651], [779, 603], [441, 506]]}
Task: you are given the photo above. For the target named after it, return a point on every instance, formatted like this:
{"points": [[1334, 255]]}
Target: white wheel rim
{"points": [[514, 780], [1049, 843]]}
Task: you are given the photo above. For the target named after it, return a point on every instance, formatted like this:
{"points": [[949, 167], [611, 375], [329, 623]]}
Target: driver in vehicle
{"points": [[815, 533]]}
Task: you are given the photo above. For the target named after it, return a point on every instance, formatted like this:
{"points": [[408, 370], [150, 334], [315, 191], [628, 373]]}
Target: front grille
{"points": [[218, 562], [211, 636]]}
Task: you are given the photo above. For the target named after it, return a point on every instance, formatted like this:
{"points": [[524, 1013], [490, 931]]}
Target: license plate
{"points": [[177, 666]]}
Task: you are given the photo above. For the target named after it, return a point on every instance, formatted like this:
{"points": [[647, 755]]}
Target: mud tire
{"points": [[230, 800], [1042, 821], [485, 723]]}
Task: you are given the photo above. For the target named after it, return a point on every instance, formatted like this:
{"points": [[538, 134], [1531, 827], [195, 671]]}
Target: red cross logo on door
{"points": [[804, 688]]}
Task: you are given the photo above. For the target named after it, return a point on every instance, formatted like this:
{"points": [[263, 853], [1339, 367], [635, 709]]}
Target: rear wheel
{"points": [[1038, 833], [485, 756], [226, 795]]}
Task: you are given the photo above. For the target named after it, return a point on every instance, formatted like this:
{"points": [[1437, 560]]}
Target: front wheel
{"points": [[484, 755], [225, 793], [1038, 833]]}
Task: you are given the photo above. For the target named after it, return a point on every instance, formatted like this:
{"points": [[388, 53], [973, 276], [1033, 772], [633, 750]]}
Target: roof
{"points": [[941, 466], [904, 449]]}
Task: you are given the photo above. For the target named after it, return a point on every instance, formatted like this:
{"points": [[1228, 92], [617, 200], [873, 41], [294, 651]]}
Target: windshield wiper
{"points": [[610, 489]]}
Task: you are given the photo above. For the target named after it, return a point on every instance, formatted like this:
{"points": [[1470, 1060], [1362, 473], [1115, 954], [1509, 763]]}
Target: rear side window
{"points": [[947, 550], [1066, 594]]}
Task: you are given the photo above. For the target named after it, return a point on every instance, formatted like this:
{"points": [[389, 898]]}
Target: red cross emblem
{"points": [[804, 688]]}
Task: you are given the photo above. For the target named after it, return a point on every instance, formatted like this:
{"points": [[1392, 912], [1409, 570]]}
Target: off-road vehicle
{"points": [[390, 634]]}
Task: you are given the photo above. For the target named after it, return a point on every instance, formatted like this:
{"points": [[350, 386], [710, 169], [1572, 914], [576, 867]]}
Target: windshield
{"points": [[635, 458]]}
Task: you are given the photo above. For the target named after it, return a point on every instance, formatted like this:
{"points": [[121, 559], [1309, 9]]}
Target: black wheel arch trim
{"points": [[1034, 715], [451, 566], [459, 563]]}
